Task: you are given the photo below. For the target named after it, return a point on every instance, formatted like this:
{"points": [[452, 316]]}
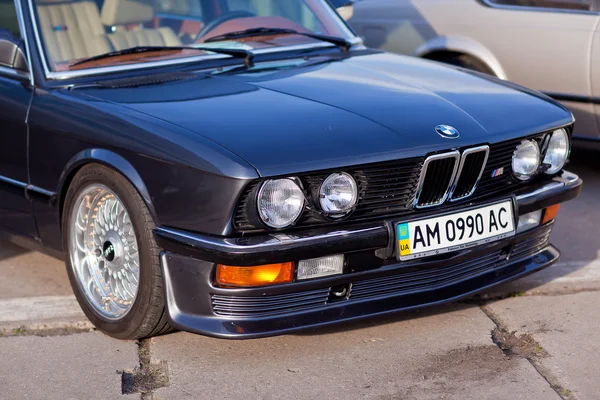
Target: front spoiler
{"points": [[247, 328]]}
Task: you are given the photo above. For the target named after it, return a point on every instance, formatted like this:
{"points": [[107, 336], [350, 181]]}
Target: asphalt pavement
{"points": [[536, 338]]}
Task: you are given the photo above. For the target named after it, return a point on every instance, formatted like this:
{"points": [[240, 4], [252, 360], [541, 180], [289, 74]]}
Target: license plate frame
{"points": [[457, 246]]}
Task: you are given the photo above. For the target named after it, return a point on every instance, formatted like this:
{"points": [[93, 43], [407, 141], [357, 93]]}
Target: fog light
{"points": [[529, 221], [319, 267], [259, 275]]}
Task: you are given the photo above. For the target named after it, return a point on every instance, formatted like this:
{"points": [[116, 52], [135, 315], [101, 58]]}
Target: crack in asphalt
{"points": [[46, 331], [148, 376], [524, 346], [547, 293], [484, 299]]}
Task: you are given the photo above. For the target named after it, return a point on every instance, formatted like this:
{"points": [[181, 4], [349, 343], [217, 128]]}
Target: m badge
{"points": [[497, 172]]}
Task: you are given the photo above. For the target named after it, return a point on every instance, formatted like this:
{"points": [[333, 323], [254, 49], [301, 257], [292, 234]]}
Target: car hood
{"points": [[359, 110]]}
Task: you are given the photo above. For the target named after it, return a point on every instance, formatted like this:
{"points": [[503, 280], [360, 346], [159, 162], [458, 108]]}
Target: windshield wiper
{"points": [[237, 53], [344, 44]]}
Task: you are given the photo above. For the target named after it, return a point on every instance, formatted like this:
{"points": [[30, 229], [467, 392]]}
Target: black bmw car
{"points": [[243, 168]]}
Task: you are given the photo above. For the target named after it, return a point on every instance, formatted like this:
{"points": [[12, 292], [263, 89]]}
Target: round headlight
{"points": [[557, 151], [338, 194], [280, 203], [526, 160]]}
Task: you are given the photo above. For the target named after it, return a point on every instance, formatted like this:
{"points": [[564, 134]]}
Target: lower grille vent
{"points": [[263, 306]]}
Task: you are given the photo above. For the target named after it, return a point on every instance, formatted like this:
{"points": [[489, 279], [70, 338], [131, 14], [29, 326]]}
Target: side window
{"points": [[583, 5], [8, 17]]}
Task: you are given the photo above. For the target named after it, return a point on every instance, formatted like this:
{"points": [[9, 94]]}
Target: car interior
{"points": [[74, 30]]}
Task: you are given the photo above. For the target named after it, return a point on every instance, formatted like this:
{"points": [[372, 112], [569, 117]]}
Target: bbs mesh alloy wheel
{"points": [[113, 260]]}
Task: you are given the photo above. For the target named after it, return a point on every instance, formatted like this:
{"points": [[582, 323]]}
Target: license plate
{"points": [[453, 232]]}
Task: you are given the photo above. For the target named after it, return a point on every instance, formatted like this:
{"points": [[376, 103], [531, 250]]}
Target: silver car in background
{"points": [[549, 45]]}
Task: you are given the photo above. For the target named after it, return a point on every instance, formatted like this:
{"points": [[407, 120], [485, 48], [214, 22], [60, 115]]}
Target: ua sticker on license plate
{"points": [[455, 231]]}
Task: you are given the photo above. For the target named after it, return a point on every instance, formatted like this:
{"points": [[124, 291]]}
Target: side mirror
{"points": [[11, 52], [346, 10]]}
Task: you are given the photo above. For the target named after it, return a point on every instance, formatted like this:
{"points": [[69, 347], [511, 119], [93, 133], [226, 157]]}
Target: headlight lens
{"points": [[338, 194], [280, 203], [557, 151], [526, 160]]}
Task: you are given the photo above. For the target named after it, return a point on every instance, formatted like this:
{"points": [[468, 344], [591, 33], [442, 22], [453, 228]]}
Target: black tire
{"points": [[147, 316], [468, 62]]}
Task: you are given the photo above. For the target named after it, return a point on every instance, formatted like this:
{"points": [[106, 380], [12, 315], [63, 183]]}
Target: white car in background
{"points": [[549, 45]]}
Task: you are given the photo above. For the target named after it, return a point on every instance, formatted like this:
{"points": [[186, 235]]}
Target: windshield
{"points": [[77, 34]]}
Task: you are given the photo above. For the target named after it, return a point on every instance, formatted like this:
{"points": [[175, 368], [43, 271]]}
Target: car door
{"points": [[15, 95]]}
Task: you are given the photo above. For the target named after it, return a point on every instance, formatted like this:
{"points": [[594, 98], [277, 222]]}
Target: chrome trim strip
{"points": [[39, 190], [26, 187], [13, 182], [453, 154], [463, 159], [490, 4], [121, 68], [22, 28]]}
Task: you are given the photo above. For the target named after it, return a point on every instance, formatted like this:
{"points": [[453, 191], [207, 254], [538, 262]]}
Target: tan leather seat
{"points": [[75, 30], [72, 30], [120, 14]]}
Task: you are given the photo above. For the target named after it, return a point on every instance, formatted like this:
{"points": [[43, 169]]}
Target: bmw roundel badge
{"points": [[447, 131]]}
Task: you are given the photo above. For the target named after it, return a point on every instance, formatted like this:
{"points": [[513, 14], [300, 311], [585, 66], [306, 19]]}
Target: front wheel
{"points": [[113, 261]]}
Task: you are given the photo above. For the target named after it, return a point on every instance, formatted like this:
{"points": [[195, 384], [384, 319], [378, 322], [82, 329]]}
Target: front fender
{"points": [[462, 44], [109, 159], [187, 181]]}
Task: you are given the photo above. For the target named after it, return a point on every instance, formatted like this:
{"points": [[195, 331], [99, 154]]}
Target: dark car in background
{"points": [[248, 168]]}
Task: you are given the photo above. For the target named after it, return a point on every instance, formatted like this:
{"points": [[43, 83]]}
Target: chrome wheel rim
{"points": [[104, 251]]}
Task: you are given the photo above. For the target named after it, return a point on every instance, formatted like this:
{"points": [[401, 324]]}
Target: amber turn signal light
{"points": [[550, 213], [259, 275]]}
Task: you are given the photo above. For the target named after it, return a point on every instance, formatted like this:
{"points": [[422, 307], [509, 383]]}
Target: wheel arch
{"points": [[461, 45], [108, 159]]}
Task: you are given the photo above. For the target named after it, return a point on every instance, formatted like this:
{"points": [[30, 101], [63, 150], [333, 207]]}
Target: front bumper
{"points": [[195, 304]]}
